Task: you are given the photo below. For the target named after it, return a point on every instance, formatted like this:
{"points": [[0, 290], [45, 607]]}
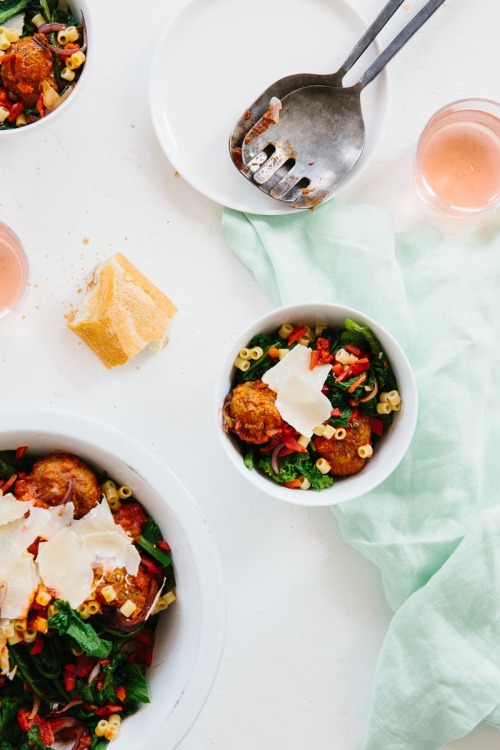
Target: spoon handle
{"points": [[373, 30], [417, 21]]}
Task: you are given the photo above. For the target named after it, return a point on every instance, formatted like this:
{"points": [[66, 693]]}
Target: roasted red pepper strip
{"points": [[69, 679], [22, 448], [150, 566], [344, 375], [321, 355], [121, 693], [107, 710], [361, 365], [38, 644], [376, 425], [39, 106], [289, 438], [8, 484], [296, 334], [357, 382], [15, 110], [26, 722], [352, 349], [293, 484], [163, 545]]}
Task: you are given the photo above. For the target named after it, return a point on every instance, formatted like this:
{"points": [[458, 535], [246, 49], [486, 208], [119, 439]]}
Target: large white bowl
{"points": [[77, 7], [388, 452], [190, 635]]}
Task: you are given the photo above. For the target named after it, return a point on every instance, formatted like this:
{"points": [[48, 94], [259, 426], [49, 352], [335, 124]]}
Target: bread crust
{"points": [[122, 314]]}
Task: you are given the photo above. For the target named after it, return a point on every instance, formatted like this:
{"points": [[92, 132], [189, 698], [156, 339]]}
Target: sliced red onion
{"points": [[68, 497], [46, 28], [371, 395], [68, 52], [67, 722], [275, 456], [36, 706], [66, 707], [94, 672]]}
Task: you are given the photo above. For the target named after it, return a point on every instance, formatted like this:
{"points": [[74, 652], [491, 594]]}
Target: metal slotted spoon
{"points": [[302, 153]]}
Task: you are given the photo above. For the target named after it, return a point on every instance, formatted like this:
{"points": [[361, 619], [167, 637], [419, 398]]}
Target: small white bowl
{"points": [[77, 8], [388, 452], [190, 635]]}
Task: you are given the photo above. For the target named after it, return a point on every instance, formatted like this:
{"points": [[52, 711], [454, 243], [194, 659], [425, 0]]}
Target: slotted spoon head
{"points": [[303, 156]]}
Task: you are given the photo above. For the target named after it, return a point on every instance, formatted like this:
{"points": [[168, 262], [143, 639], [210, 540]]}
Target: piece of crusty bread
{"points": [[122, 314]]}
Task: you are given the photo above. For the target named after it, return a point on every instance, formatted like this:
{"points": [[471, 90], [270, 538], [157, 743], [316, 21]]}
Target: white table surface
{"points": [[306, 614]]}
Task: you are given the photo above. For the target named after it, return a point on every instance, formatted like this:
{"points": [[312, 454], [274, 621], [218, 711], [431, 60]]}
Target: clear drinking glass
{"points": [[457, 163], [13, 270]]}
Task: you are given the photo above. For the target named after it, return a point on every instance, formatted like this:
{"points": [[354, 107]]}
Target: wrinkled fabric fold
{"points": [[435, 518]]}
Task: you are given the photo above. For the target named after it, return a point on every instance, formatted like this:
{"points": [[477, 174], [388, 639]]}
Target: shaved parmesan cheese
{"points": [[302, 406], [19, 576], [66, 562], [65, 565], [296, 362], [99, 518], [112, 550], [299, 398], [11, 509], [16, 23]]}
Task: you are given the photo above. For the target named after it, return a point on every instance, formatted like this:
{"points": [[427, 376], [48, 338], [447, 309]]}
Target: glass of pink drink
{"points": [[13, 270], [457, 164]]}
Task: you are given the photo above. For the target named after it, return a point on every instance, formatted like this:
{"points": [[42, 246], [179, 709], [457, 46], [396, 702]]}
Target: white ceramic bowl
{"points": [[191, 632], [77, 7], [388, 452]]}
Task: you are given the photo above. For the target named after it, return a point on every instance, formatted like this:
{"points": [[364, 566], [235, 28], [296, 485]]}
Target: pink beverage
{"points": [[13, 270], [458, 159]]}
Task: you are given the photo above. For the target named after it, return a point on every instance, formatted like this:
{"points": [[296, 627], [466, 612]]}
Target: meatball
{"points": [[136, 588], [250, 412], [131, 518], [27, 66], [58, 479], [342, 455]]}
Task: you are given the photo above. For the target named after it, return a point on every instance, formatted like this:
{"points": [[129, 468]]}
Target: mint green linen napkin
{"points": [[433, 527]]}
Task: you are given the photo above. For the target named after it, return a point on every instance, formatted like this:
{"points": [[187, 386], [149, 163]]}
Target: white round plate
{"points": [[190, 638], [217, 56]]}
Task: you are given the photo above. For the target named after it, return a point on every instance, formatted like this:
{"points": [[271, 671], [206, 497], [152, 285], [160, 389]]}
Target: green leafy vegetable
{"points": [[50, 690], [33, 740], [9, 706], [135, 684], [150, 536], [260, 366], [10, 8], [292, 467], [9, 464], [248, 457], [68, 622], [355, 328], [98, 743]]}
